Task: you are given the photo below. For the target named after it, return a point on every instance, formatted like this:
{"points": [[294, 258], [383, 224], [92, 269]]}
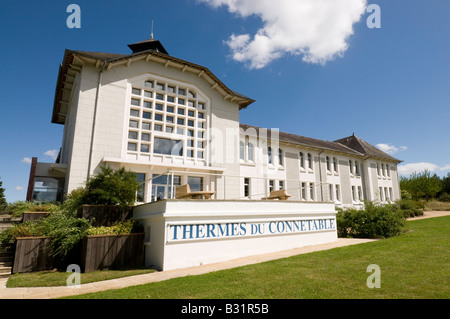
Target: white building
{"points": [[173, 122]]}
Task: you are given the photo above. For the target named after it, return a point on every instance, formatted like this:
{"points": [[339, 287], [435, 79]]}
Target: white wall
{"points": [[109, 140], [204, 244]]}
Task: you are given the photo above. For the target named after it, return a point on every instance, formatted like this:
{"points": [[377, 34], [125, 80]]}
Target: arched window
{"points": [[241, 150], [250, 151]]}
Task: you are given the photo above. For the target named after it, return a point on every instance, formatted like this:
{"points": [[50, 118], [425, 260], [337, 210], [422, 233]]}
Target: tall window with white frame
{"points": [[310, 161], [327, 159], [302, 160], [140, 196], [250, 151], [246, 150], [311, 191], [271, 185], [280, 157], [303, 191], [246, 187], [338, 193], [357, 173], [335, 164]]}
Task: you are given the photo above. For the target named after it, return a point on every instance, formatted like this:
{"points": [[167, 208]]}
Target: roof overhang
{"points": [[75, 60], [168, 166]]}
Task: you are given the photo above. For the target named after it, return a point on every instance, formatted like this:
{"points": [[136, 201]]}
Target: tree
{"points": [[111, 187], [446, 184], [422, 185], [3, 203]]}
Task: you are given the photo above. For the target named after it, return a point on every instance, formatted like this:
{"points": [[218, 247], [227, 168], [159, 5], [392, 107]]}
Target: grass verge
{"points": [[415, 264], [53, 279]]}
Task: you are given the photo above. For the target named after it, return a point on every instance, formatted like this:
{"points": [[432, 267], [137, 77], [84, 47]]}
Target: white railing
{"points": [[321, 190]]}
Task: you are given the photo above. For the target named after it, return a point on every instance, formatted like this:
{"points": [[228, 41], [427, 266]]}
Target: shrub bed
{"points": [[374, 221], [411, 208], [65, 231]]}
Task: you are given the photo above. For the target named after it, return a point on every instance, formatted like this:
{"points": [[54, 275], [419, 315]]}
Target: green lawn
{"points": [[413, 265]]}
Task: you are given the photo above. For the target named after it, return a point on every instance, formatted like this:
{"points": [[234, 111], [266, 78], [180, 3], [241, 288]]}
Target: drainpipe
{"points": [[320, 176], [365, 180], [95, 119]]}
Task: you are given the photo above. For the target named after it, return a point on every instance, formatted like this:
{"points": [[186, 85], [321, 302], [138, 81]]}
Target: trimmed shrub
{"points": [[126, 227], [374, 221], [410, 208]]}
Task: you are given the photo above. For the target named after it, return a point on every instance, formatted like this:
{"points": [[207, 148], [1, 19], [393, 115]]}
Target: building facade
{"points": [[173, 122]]}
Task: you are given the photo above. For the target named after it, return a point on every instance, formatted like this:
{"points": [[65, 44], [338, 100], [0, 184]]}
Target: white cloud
{"points": [[19, 188], [391, 149], [26, 160], [316, 29], [446, 167], [52, 153], [410, 168]]}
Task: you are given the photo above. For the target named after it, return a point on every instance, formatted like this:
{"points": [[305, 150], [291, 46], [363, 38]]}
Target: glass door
{"points": [[161, 186]]}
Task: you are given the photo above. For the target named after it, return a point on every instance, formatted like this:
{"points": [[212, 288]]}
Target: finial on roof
{"points": [[151, 35]]}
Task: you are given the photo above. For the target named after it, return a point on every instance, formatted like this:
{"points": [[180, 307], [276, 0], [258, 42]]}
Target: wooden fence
{"points": [[104, 215], [27, 216], [112, 251], [96, 253], [32, 254]]}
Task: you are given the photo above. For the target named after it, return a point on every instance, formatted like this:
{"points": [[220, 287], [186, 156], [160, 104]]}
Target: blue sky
{"points": [[388, 86]]}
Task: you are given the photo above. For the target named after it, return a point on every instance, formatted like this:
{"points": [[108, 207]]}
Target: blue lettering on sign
{"points": [[243, 229], [224, 230]]}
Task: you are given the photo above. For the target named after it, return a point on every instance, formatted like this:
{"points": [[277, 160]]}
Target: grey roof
{"points": [[308, 141], [149, 44], [101, 55], [351, 145], [365, 148]]}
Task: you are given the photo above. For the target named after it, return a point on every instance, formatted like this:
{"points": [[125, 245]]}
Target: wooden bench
{"points": [[184, 192], [279, 194]]}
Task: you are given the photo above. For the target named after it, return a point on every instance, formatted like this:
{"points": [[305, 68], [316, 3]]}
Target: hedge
{"points": [[374, 221]]}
